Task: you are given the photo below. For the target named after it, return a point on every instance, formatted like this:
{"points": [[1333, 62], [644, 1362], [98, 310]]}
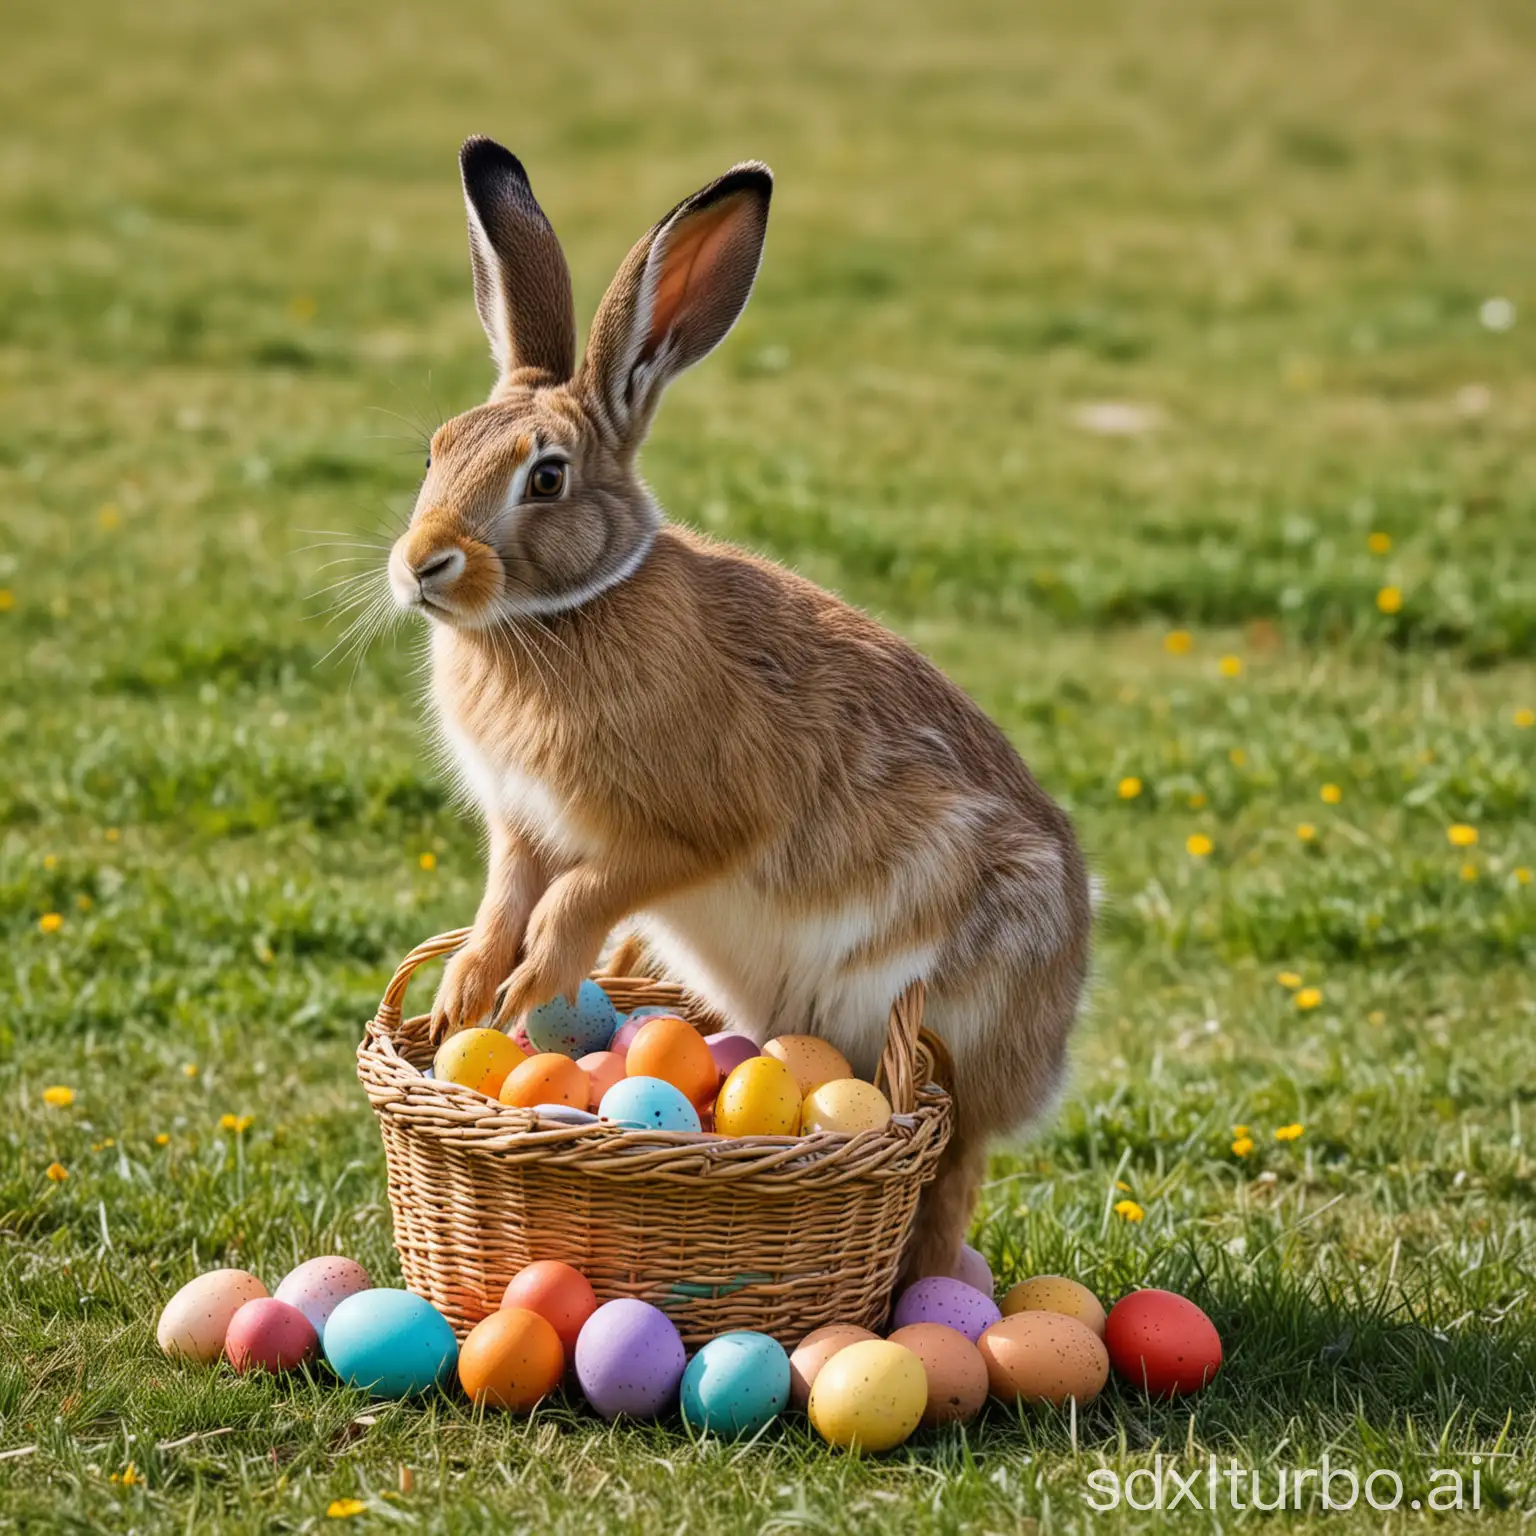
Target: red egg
{"points": [[558, 1293], [269, 1335], [1162, 1342]]}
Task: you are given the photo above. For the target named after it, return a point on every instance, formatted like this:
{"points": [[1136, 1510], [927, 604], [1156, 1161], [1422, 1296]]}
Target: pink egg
{"points": [[603, 1069], [318, 1286], [624, 1035], [730, 1050], [268, 1335], [973, 1270]]}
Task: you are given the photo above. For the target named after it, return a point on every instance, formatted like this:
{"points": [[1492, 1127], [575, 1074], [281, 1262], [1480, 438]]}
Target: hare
{"points": [[797, 811]]}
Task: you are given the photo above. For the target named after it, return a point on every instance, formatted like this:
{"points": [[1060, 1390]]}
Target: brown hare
{"points": [[797, 811]]}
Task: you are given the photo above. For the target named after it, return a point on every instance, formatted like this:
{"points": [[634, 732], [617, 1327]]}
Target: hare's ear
{"points": [[678, 293], [522, 284]]}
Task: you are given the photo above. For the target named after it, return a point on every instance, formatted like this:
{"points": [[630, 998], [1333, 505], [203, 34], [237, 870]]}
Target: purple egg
{"points": [[730, 1050], [630, 1360], [938, 1299], [972, 1269], [624, 1035]]}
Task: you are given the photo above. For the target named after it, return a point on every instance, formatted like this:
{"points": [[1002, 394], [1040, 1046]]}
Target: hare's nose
{"points": [[443, 566]]}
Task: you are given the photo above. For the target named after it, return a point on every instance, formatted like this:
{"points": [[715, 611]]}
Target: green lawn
{"points": [[1258, 241]]}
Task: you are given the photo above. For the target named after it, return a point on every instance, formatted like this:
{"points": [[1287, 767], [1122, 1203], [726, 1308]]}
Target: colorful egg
{"points": [[869, 1396], [973, 1269], [1054, 1293], [957, 1375], [548, 1078], [813, 1352], [812, 1060], [478, 1059], [558, 1293], [1044, 1357], [736, 1384], [630, 1360], [318, 1285], [511, 1359], [648, 1104], [760, 1098], [603, 1069], [197, 1317], [624, 1035], [847, 1106], [673, 1050], [1162, 1343], [574, 1029], [730, 1050], [390, 1343], [269, 1335], [938, 1299]]}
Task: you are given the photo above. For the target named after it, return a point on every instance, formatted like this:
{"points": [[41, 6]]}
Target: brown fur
{"points": [[659, 725]]}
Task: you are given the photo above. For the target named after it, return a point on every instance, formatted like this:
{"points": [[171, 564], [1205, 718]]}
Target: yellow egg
{"points": [[1054, 1293], [848, 1105], [813, 1061], [869, 1396], [478, 1059], [759, 1098]]}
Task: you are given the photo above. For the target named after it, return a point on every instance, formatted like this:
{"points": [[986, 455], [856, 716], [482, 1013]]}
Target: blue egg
{"points": [[736, 1384], [650, 1011], [648, 1104], [390, 1343], [574, 1031]]}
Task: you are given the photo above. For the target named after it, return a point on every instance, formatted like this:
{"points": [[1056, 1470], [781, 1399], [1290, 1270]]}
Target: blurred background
{"points": [[1164, 370]]}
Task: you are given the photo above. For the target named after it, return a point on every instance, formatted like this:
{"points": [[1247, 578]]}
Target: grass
{"points": [[233, 292]]}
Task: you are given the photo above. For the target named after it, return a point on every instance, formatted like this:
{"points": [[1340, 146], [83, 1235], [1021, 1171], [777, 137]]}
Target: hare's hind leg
{"points": [[944, 1211]]}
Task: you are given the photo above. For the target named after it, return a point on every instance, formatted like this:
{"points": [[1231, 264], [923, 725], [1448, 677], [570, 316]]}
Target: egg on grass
{"points": [[957, 1375], [511, 1359], [938, 1299], [270, 1335], [1044, 1357], [869, 1396], [1055, 1293], [813, 1352], [630, 1360], [317, 1286], [1162, 1343], [196, 1319], [389, 1342], [558, 1292], [736, 1384]]}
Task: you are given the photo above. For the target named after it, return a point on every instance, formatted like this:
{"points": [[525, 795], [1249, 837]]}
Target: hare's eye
{"points": [[547, 480]]}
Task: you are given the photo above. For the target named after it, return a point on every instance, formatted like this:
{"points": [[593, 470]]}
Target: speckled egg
{"points": [[1055, 1293], [730, 1050], [648, 1104], [548, 1078], [812, 1060], [511, 1359], [972, 1268], [391, 1343], [269, 1335], [869, 1397], [197, 1317], [846, 1105], [760, 1098], [630, 1360], [957, 1375], [478, 1059], [813, 1352], [1044, 1357], [1162, 1343], [574, 1029], [556, 1291], [603, 1069], [318, 1286], [673, 1050], [938, 1299], [736, 1384]]}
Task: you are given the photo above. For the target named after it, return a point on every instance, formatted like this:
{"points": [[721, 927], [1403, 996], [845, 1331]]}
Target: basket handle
{"points": [[901, 1072], [387, 1020]]}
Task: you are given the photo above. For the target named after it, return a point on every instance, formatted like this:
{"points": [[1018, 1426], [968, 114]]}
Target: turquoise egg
{"points": [[390, 1343], [574, 1030], [736, 1384], [648, 1104]]}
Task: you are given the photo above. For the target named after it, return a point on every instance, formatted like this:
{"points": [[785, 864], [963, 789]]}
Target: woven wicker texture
{"points": [[775, 1233]]}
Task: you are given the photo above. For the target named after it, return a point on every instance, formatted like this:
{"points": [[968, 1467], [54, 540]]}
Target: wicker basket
{"points": [[775, 1233]]}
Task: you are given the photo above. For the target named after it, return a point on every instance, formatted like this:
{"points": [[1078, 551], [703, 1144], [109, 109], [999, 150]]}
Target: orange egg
{"points": [[603, 1069], [511, 1359], [813, 1061], [813, 1352], [546, 1079], [1044, 1357], [1054, 1293], [673, 1050], [558, 1293], [957, 1375]]}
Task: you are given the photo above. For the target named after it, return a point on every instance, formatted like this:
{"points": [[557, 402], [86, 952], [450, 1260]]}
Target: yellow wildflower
{"points": [[1198, 845], [59, 1096], [1178, 642], [1525, 718], [7, 599], [1376, 1017], [162, 1140], [1231, 666], [1461, 835], [236, 1123], [344, 1509], [1308, 997], [1306, 831], [1242, 1146], [189, 1069], [1129, 1210], [1289, 1132], [1522, 875], [50, 922], [1237, 757], [1239, 1130], [1289, 980], [1122, 1186], [1379, 543], [50, 861], [1390, 599], [1330, 794], [428, 861], [1129, 787], [112, 834], [1469, 871], [57, 1172]]}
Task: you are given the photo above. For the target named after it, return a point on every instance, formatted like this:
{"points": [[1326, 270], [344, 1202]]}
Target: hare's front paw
{"points": [[536, 981], [467, 992]]}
